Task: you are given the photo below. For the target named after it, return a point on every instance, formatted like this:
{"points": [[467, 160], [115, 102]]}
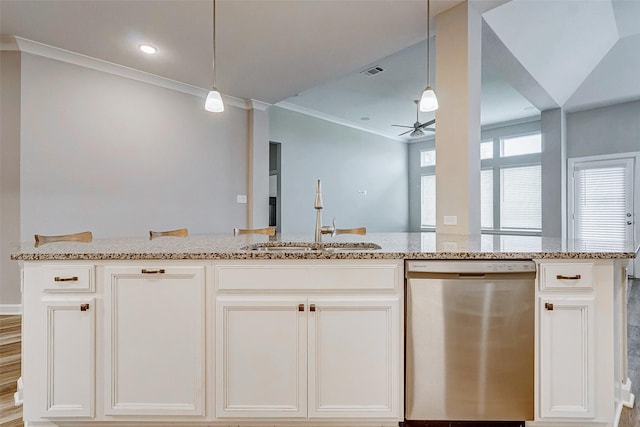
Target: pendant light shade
{"points": [[214, 102], [428, 101]]}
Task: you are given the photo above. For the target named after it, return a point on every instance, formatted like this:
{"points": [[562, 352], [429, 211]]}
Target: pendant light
{"points": [[214, 99], [428, 101]]}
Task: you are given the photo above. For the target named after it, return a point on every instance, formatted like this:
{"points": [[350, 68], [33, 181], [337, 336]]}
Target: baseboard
{"points": [[10, 309], [626, 396]]}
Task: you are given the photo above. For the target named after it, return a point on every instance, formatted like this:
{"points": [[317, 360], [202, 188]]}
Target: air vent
{"points": [[372, 71]]}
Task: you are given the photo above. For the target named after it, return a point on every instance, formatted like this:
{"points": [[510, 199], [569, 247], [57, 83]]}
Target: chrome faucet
{"points": [[320, 229], [330, 229]]}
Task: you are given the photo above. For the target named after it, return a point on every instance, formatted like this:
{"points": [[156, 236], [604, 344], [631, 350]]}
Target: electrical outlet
{"points": [[241, 198], [451, 220]]}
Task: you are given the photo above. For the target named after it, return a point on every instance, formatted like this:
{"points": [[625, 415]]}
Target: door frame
{"points": [[634, 156]]}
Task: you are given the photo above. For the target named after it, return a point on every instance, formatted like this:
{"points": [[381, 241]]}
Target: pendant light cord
{"points": [[428, 59], [213, 63]]}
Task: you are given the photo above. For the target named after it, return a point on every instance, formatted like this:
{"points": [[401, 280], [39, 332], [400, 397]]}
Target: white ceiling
{"points": [[574, 53]]}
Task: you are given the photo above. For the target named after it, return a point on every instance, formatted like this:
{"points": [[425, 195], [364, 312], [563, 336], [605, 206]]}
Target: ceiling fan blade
{"points": [[404, 133], [429, 123], [403, 126], [429, 129]]}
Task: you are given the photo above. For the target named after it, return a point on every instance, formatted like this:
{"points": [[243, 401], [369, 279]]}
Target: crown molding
{"points": [[258, 105], [8, 43], [328, 117], [52, 52]]}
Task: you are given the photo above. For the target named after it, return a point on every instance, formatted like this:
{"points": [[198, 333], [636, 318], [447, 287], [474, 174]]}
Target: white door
{"points": [[261, 357], [154, 341], [354, 369], [602, 210]]}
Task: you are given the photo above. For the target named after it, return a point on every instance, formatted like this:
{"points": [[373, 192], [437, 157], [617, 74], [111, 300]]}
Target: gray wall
{"points": [[112, 155], [9, 174], [120, 157], [605, 130], [347, 161]]}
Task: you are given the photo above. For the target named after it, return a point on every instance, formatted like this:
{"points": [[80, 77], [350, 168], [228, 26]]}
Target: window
{"points": [[510, 184], [428, 189], [428, 201], [516, 146], [486, 149], [521, 198], [427, 158]]}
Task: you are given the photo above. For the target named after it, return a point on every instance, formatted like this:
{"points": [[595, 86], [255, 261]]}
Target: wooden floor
{"points": [[11, 416], [10, 342]]}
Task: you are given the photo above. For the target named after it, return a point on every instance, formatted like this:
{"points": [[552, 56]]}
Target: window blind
{"points": [[601, 204], [521, 198]]}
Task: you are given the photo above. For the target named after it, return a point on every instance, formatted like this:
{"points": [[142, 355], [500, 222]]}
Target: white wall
{"points": [[347, 161], [119, 157]]}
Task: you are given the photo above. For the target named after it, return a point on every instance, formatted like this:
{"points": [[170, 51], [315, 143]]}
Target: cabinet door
{"points": [[354, 366], [261, 357], [567, 357], [60, 373], [154, 340]]}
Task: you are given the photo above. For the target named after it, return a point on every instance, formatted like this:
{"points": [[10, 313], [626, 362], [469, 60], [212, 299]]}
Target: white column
{"points": [[258, 191], [458, 68], [554, 160]]}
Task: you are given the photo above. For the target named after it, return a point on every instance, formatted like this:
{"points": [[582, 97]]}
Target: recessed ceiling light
{"points": [[147, 48]]}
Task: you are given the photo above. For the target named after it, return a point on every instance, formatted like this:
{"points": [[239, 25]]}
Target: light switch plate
{"points": [[451, 220], [242, 198]]}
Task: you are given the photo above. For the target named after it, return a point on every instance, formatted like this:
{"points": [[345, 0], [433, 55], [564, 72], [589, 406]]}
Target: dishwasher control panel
{"points": [[470, 266]]}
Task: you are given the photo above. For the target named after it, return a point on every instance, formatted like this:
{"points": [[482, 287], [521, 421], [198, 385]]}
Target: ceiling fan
{"points": [[417, 128]]}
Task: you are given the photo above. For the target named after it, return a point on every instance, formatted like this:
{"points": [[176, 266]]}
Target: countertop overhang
{"points": [[393, 246]]}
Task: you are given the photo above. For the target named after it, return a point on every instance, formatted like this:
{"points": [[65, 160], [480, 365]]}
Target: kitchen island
{"points": [[234, 331]]}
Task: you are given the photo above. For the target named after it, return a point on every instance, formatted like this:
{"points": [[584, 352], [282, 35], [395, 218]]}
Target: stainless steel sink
{"points": [[311, 247]]}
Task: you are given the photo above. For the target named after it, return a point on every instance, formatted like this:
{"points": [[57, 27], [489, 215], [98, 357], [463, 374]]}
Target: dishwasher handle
{"points": [[472, 276]]}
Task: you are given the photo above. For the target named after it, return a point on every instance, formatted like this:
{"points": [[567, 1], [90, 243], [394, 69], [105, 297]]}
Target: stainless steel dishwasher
{"points": [[469, 340]]}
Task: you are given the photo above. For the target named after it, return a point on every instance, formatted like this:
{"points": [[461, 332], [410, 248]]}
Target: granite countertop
{"points": [[392, 246]]}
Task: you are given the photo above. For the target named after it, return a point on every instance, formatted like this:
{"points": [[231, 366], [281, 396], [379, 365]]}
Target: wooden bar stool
{"points": [[269, 231], [181, 232], [85, 236]]}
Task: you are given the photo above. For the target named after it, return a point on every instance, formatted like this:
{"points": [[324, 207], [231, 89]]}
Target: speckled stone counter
{"points": [[392, 246]]}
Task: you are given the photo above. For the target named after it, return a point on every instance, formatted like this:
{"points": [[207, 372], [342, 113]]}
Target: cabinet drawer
{"points": [[68, 278], [307, 276], [566, 276]]}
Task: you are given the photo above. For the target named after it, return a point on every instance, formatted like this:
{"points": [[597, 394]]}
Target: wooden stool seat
{"points": [[269, 231]]}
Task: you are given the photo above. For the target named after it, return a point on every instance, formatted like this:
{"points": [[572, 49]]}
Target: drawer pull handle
{"points": [[160, 271], [84, 307], [300, 307], [66, 279], [312, 307], [562, 277], [548, 306]]}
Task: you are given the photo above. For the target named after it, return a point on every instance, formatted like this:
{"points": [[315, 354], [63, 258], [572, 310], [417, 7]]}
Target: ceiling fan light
{"points": [[428, 101], [214, 101]]}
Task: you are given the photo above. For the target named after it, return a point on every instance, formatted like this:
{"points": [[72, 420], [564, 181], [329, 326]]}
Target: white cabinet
{"points": [[567, 357], [154, 340], [58, 345], [315, 351], [576, 342]]}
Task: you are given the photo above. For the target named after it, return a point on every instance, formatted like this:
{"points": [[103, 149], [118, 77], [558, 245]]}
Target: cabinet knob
{"points": [[312, 307], [160, 271], [84, 307], [548, 306], [300, 307]]}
